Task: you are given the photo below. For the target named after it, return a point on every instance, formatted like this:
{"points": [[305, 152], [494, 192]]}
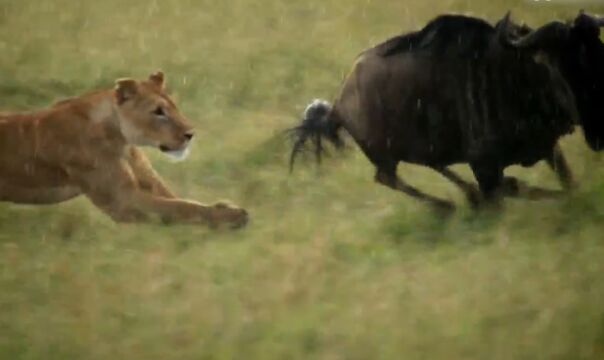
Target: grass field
{"points": [[332, 266]]}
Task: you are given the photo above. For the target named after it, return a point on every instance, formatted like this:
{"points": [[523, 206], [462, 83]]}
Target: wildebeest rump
{"points": [[463, 91]]}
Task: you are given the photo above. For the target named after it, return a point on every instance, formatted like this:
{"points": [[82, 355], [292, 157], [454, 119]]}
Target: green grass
{"points": [[332, 266]]}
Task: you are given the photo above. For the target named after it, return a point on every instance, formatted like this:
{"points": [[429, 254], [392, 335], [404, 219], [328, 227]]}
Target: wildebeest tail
{"points": [[318, 123]]}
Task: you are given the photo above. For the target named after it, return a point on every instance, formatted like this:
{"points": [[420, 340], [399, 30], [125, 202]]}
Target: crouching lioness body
{"points": [[87, 145]]}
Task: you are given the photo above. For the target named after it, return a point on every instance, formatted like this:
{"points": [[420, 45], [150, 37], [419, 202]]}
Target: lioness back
{"points": [[44, 148], [89, 145]]}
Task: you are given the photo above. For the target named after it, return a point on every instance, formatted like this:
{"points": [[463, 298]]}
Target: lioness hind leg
{"points": [[37, 196]]}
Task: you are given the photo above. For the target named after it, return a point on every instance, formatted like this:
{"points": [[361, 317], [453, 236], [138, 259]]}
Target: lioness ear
{"points": [[158, 79], [125, 89]]}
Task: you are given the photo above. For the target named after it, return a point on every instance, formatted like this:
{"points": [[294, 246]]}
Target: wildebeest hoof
{"points": [[474, 197], [511, 186], [494, 204], [443, 207]]}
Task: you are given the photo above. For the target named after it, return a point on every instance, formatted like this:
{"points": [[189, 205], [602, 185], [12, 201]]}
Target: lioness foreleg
{"points": [[116, 190], [148, 179]]}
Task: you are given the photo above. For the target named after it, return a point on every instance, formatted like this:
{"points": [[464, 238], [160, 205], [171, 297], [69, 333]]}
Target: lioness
{"points": [[88, 145]]}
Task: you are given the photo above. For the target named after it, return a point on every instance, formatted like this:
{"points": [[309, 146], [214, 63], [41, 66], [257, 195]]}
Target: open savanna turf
{"points": [[332, 265]]}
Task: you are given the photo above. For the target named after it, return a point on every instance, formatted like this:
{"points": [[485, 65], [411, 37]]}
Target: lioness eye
{"points": [[159, 111]]}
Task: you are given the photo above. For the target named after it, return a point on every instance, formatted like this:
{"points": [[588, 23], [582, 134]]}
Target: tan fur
{"points": [[88, 145]]}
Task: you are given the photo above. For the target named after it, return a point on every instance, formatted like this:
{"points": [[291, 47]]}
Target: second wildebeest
{"points": [[463, 91]]}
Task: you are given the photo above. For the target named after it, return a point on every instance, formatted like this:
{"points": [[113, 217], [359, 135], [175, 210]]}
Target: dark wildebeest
{"points": [[463, 91]]}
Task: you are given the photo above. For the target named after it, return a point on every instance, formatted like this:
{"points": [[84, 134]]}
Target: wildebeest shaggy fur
{"points": [[461, 90]]}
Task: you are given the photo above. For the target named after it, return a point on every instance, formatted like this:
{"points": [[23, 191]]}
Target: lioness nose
{"points": [[189, 135]]}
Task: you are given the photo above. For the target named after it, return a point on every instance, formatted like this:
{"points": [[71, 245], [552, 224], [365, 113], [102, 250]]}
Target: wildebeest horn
{"points": [[508, 31], [505, 20], [597, 20], [503, 24], [546, 36]]}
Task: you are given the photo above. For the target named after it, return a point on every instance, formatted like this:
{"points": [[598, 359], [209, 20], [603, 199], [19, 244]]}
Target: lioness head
{"points": [[148, 117]]}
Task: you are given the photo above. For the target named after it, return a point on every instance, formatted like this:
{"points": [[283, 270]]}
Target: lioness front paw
{"points": [[226, 213]]}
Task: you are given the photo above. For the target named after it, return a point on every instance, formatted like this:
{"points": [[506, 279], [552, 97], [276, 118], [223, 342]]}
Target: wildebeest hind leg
{"points": [[391, 180], [469, 189]]}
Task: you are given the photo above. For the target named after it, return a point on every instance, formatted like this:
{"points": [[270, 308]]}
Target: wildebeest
{"points": [[461, 90]]}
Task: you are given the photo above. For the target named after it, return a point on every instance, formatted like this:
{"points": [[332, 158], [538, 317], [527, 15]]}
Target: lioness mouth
{"points": [[178, 154]]}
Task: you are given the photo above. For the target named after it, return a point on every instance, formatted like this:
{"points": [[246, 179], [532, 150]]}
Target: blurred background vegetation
{"points": [[332, 266]]}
